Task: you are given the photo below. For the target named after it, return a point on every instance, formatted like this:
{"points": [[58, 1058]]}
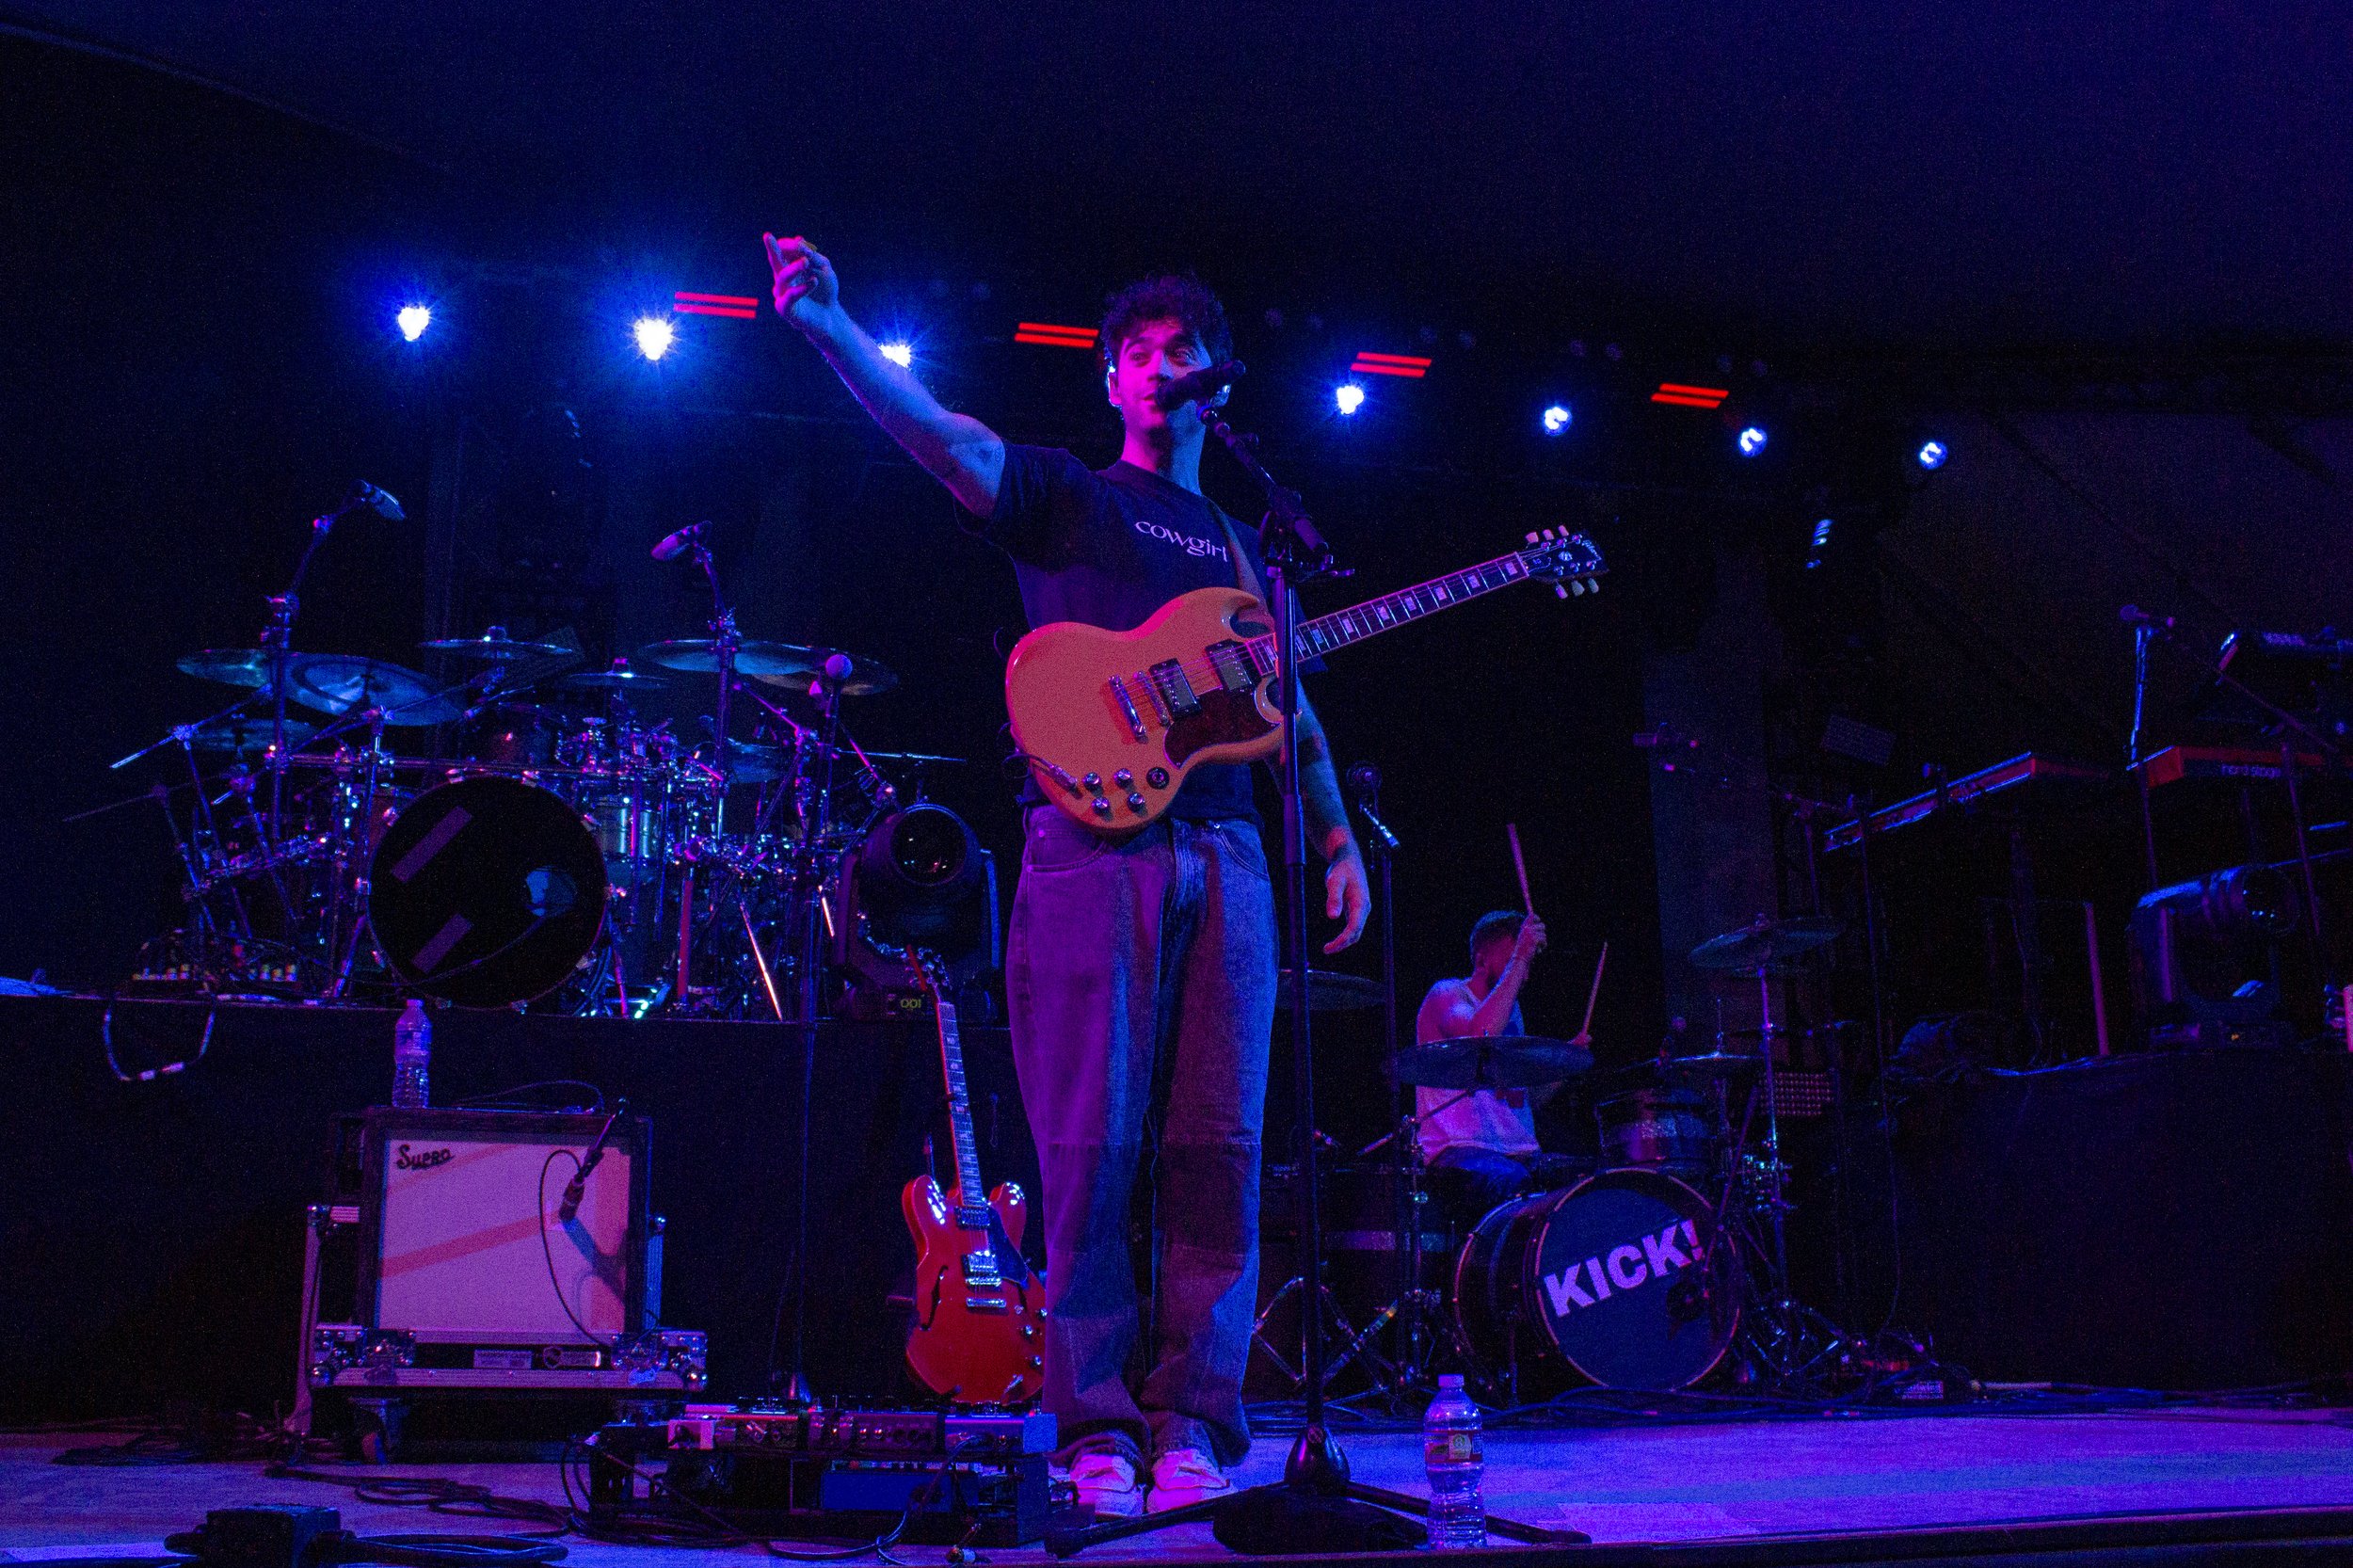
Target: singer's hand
{"points": [[1347, 896], [807, 289]]}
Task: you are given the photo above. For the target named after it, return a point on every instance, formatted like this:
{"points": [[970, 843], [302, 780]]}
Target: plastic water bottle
{"points": [[1452, 1454], [412, 1058]]}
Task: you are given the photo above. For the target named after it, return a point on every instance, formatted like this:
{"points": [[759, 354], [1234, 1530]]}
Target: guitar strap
{"points": [[1245, 575]]}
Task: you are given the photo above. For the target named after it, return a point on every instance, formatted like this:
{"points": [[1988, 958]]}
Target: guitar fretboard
{"points": [[1376, 615], [960, 1110]]}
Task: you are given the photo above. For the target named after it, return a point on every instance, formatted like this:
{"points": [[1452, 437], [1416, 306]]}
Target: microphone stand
{"points": [[1365, 783]]}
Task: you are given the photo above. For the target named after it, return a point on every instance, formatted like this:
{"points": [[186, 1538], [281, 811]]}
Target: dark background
{"points": [[2102, 254]]}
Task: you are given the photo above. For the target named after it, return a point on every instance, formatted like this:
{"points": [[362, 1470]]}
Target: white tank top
{"points": [[1502, 1120]]}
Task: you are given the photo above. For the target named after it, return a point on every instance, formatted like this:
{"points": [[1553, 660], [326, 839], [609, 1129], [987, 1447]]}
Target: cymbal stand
{"points": [[277, 636]]}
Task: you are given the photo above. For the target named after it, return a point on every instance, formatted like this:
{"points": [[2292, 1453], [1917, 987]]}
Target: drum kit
{"points": [[523, 834], [1648, 1269]]}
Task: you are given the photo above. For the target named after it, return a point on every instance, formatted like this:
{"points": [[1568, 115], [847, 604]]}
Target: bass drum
{"points": [[486, 892], [1607, 1283]]}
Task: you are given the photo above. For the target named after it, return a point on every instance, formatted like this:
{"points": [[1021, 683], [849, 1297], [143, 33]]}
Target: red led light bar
{"points": [[1058, 337], [738, 306], [1409, 365], [1691, 397]]}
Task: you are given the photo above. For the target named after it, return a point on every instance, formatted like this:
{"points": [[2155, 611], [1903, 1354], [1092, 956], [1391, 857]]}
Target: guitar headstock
{"points": [[1570, 562]]}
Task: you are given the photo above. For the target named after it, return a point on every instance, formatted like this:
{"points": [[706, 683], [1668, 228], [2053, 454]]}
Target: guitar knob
{"points": [[1135, 803], [1093, 781], [1157, 779], [1102, 807], [1123, 778]]}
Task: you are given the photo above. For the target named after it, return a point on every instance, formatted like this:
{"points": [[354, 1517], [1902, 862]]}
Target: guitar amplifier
{"points": [[466, 1275]]}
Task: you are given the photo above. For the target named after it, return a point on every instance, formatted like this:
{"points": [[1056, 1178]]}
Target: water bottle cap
{"points": [[1450, 1380]]}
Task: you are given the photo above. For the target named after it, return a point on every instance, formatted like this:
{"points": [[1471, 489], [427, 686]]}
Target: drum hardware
{"points": [[496, 646], [784, 665]]}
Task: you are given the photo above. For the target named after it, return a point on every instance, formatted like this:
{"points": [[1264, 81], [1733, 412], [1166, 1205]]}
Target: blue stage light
{"points": [[1752, 441], [1932, 453], [654, 336], [1349, 397], [412, 321], [1558, 419], [900, 354]]}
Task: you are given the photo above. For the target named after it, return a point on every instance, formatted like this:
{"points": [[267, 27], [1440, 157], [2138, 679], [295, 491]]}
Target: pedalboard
{"points": [[970, 1478]]}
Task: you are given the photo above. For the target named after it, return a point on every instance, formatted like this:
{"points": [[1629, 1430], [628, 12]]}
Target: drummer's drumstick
{"points": [[1519, 864], [1594, 995]]}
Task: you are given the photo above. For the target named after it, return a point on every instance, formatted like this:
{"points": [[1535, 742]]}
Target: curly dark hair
{"points": [[1178, 296]]}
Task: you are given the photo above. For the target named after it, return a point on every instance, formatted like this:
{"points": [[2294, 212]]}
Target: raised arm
{"points": [[1453, 1015], [955, 449]]}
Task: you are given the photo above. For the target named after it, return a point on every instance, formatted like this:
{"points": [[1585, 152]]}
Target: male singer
{"points": [[1141, 972]]}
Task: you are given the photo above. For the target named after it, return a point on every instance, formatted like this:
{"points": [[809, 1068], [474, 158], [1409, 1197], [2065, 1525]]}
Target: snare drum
{"points": [[1607, 1283]]}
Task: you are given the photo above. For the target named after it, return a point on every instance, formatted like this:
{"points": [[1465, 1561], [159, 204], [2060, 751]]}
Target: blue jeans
{"points": [[1141, 979]]}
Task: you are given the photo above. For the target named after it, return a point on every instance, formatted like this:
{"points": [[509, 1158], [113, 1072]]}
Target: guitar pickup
{"points": [[984, 1304], [1175, 690], [1128, 706], [1231, 660]]}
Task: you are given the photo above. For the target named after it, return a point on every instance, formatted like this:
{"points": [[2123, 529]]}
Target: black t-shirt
{"points": [[1108, 550]]}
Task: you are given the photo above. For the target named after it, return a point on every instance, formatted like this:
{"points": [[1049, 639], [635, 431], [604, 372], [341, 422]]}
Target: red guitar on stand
{"points": [[980, 1311]]}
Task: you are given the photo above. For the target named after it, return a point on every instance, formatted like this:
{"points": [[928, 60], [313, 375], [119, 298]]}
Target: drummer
{"points": [[1481, 1144]]}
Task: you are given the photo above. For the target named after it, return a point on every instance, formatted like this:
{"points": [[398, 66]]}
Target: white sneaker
{"points": [[1182, 1477], [1108, 1484]]}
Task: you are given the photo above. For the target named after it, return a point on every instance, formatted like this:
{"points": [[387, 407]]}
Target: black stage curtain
{"points": [[150, 1242], [2176, 1219]]}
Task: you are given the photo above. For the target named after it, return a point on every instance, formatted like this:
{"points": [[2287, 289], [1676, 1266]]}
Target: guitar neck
{"points": [[959, 1110], [1376, 615]]}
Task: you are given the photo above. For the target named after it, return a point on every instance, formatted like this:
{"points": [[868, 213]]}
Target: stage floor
{"points": [[1688, 1483]]}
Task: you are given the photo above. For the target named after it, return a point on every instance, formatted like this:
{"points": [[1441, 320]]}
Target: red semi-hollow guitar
{"points": [[980, 1311]]}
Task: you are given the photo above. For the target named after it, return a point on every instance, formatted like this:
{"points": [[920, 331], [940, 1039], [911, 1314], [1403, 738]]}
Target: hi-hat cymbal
{"points": [[1707, 1066], [1505, 1061], [1329, 991], [1766, 942], [774, 664], [495, 645], [338, 682], [230, 667]]}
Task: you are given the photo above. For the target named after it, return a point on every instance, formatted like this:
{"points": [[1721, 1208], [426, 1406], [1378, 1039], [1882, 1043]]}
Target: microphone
{"points": [[1364, 781], [377, 501], [675, 545], [1199, 386], [576, 1188], [2133, 615]]}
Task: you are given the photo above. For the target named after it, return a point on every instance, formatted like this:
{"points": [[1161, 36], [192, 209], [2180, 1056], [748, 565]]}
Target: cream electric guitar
{"points": [[1112, 722]]}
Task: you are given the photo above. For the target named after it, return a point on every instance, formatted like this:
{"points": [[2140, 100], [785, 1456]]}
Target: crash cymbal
{"points": [[230, 667], [772, 664], [1507, 1062], [497, 646], [912, 757], [338, 682], [244, 733], [1766, 942], [1329, 991]]}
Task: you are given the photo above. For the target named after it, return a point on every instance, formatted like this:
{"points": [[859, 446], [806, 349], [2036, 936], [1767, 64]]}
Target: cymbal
{"points": [[337, 682], [1766, 942], [1505, 1061], [1710, 1065], [614, 680], [749, 762], [495, 645], [230, 667], [1329, 991], [244, 733], [772, 664]]}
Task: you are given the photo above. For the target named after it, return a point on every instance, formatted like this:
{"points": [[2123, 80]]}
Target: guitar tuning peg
{"points": [[1561, 589], [1577, 587], [1594, 586], [1531, 538]]}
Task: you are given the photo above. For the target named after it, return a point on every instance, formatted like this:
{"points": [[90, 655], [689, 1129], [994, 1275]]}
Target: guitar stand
{"points": [[1293, 551]]}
